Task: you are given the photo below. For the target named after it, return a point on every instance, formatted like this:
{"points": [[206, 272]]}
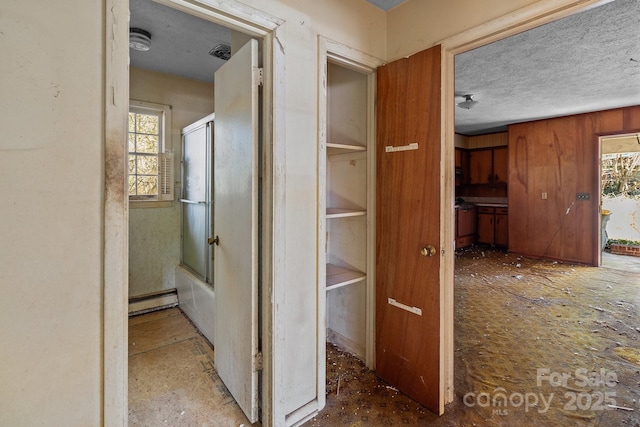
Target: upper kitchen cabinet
{"points": [[500, 165], [462, 166], [488, 166], [481, 166]]}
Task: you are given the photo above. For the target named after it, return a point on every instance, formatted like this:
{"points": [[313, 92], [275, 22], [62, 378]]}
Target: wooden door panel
{"points": [[480, 167], [501, 165], [407, 219], [486, 228], [502, 230]]}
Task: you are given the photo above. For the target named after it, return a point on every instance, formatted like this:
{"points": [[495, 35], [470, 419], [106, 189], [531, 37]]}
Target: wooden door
{"points": [[408, 342], [236, 227]]}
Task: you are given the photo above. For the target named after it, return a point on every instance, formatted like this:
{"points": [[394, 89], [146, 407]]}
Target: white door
{"points": [[236, 227]]}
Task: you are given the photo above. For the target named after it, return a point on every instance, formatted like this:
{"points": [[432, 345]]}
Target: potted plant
{"points": [[624, 247]]}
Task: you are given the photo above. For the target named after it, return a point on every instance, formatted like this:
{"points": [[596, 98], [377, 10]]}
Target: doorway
{"points": [[619, 181], [465, 43], [191, 100]]}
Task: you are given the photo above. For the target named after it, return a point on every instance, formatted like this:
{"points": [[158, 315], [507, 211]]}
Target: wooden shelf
{"points": [[340, 276], [336, 148], [343, 213]]}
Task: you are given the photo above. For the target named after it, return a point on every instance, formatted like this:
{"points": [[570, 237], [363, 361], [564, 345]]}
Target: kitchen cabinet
{"points": [[480, 166], [493, 225], [500, 165], [488, 166], [461, 166], [501, 236], [465, 226]]}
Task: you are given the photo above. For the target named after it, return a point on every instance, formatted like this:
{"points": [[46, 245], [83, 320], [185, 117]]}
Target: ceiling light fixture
{"points": [[468, 102], [139, 39]]}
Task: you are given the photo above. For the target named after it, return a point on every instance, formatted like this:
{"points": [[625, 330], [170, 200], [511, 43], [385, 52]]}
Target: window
{"points": [[150, 155]]}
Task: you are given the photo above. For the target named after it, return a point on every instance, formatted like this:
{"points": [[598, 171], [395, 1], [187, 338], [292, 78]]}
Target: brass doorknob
{"points": [[211, 240], [428, 251]]}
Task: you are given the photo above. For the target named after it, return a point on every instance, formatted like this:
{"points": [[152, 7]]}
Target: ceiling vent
{"points": [[221, 51], [468, 102], [139, 39]]}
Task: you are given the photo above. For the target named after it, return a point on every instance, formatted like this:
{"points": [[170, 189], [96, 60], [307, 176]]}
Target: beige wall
{"points": [[51, 116], [159, 228], [418, 24]]}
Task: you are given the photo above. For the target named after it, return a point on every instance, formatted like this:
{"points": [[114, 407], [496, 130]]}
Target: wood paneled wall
{"points": [[481, 141], [559, 157]]}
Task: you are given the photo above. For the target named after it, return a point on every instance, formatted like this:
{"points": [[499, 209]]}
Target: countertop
{"points": [[490, 202], [493, 205]]}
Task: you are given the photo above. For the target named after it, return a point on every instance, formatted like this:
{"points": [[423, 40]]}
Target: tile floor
{"points": [[513, 316]]}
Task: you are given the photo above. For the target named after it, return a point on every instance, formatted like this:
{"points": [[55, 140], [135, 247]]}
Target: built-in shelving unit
{"points": [[343, 213], [340, 276], [347, 219], [337, 148]]}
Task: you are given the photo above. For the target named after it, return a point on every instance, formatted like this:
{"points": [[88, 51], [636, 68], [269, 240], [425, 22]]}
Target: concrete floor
{"points": [[560, 342]]}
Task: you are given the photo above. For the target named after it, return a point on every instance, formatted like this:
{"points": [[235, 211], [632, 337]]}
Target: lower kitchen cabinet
{"points": [[501, 236], [465, 226], [493, 225]]}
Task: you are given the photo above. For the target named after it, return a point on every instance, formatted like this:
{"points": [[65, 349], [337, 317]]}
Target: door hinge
{"points": [[257, 361], [258, 76]]}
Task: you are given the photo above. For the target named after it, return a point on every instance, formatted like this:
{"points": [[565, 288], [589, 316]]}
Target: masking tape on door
{"points": [[414, 310], [391, 148]]}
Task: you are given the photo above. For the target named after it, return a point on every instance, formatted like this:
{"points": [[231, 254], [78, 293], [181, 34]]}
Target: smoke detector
{"points": [[221, 51], [139, 39]]}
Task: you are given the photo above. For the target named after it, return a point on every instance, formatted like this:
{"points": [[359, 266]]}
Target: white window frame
{"points": [[166, 166]]}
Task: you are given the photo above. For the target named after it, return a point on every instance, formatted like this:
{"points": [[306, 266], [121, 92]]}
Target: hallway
{"points": [[560, 342]]}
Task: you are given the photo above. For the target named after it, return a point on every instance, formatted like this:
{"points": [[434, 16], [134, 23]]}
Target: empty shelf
{"points": [[341, 213], [335, 148], [340, 276]]}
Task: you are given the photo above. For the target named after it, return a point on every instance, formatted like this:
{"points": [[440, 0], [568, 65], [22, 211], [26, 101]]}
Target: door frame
{"points": [[262, 26], [534, 15], [599, 137]]}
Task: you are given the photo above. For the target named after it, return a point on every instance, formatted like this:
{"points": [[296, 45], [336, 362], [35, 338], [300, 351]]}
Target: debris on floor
{"points": [[537, 343]]}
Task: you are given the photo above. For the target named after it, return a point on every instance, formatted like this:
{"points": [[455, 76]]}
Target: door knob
{"points": [[428, 251], [215, 240]]}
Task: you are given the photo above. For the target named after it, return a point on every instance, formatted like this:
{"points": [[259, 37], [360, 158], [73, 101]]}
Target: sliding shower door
{"points": [[196, 200]]}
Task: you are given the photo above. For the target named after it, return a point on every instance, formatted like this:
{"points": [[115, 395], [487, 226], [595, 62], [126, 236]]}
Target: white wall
{"points": [[154, 233], [362, 26], [51, 163]]}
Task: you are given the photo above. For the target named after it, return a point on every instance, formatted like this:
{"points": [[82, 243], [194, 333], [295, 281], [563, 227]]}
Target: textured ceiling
{"points": [[588, 61], [180, 43], [585, 62]]}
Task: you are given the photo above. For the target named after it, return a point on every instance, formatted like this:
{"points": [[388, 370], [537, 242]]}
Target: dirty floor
{"points": [[172, 381], [537, 343]]}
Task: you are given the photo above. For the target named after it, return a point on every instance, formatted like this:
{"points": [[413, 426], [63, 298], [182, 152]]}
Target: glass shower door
{"points": [[196, 198]]}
